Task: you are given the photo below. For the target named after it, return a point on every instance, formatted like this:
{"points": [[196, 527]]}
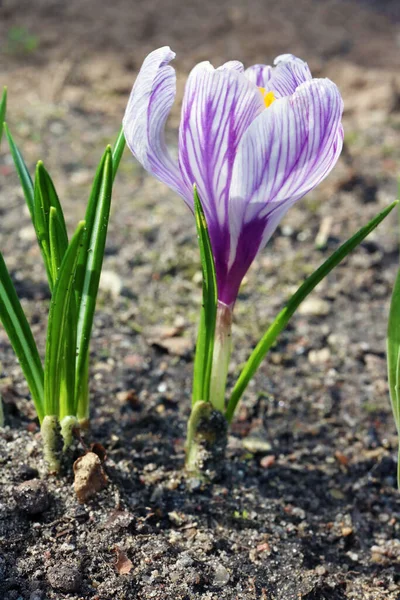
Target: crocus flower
{"points": [[254, 142]]}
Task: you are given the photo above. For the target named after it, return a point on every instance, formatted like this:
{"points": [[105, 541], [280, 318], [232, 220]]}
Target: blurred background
{"points": [[69, 67]]}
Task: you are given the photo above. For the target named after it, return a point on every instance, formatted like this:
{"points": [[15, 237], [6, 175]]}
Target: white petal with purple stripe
{"points": [[287, 151], [218, 107], [259, 74], [149, 105], [289, 72]]}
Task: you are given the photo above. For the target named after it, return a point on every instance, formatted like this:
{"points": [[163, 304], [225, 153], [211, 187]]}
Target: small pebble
{"points": [[221, 577], [267, 461], [32, 497], [89, 476], [315, 307], [66, 578], [319, 357], [111, 282], [256, 445]]}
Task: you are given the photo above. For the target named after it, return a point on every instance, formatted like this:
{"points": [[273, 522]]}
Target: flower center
{"points": [[269, 97]]}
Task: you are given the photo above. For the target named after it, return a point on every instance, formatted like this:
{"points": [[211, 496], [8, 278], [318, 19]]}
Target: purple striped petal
{"points": [[218, 107], [259, 74], [289, 72], [286, 152], [146, 113], [236, 65]]}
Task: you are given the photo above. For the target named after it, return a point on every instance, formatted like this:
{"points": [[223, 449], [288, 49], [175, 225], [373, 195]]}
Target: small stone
{"points": [[178, 346], [346, 531], [32, 497], [81, 177], [177, 518], [353, 556], [111, 282], [319, 357], [321, 570], [256, 445], [341, 458], [134, 361], [65, 578], [89, 476], [221, 577], [337, 494], [27, 234], [128, 397], [267, 461], [315, 307], [299, 512]]}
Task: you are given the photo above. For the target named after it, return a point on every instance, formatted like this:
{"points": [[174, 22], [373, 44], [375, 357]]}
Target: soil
{"points": [[307, 507]]}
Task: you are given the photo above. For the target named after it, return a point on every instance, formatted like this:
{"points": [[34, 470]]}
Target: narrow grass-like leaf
{"points": [[393, 350], [50, 197], [59, 323], [284, 316], [22, 170], [45, 198], [91, 261], [393, 356], [205, 336], [89, 218], [118, 151], [3, 110], [58, 242], [20, 335], [67, 397]]}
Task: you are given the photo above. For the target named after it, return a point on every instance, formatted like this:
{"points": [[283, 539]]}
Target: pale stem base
{"points": [[206, 442], [68, 425], [1, 412], [52, 442], [221, 356]]}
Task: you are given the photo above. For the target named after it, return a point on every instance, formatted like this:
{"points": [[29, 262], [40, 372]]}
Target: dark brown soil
{"points": [[307, 508]]}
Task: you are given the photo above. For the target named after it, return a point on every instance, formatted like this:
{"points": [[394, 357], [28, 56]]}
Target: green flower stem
{"points": [[221, 356], [52, 443]]}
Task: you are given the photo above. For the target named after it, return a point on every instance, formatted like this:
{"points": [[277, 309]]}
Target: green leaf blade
{"points": [[22, 171], [20, 335], [3, 110], [118, 151], [284, 316], [46, 202], [393, 350], [206, 332], [90, 265], [59, 324], [58, 243]]}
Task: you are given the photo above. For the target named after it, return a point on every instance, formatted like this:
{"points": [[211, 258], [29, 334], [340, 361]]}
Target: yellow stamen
{"points": [[269, 97]]}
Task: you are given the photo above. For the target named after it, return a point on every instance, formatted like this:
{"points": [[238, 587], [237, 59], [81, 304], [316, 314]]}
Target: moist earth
{"points": [[307, 506]]}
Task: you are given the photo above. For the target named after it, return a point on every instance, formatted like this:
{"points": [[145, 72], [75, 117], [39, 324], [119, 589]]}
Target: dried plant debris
{"points": [[123, 564]]}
